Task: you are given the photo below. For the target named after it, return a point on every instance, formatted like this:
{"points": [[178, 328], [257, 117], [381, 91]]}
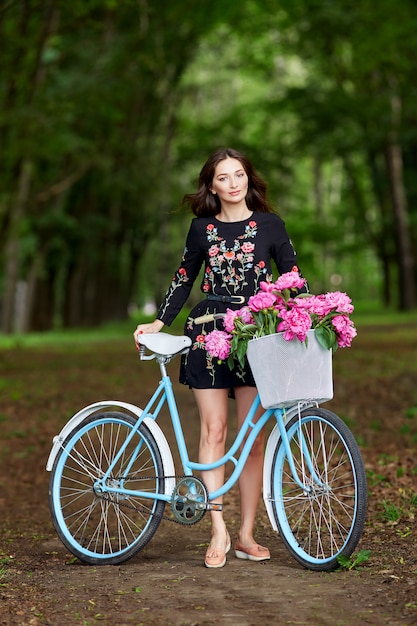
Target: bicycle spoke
{"points": [[92, 521]]}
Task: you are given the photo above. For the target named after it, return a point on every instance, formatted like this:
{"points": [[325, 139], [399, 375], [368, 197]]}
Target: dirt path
{"points": [[40, 583]]}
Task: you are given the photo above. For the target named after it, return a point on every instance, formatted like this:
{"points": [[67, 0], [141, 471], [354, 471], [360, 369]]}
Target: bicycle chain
{"points": [[135, 508]]}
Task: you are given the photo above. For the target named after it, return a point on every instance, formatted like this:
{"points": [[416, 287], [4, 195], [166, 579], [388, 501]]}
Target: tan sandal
{"points": [[216, 557], [254, 553]]}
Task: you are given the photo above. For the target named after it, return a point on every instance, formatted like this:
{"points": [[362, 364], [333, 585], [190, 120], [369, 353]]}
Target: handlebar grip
{"points": [[210, 317]]}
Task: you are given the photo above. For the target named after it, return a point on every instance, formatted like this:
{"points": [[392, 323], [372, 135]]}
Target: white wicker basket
{"points": [[287, 372]]}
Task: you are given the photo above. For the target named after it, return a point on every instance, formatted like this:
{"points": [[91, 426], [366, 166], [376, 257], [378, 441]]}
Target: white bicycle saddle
{"points": [[165, 344]]}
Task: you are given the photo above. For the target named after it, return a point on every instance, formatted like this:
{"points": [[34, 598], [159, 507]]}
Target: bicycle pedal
{"points": [[213, 506]]}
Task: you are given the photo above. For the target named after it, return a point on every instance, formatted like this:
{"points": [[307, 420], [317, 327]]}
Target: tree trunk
{"points": [[407, 291], [12, 247]]}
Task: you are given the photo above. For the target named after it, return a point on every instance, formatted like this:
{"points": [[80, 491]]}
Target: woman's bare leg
{"points": [[213, 408], [250, 481]]}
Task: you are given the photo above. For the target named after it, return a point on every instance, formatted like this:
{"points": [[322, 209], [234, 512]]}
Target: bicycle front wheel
{"points": [[324, 518], [110, 527]]}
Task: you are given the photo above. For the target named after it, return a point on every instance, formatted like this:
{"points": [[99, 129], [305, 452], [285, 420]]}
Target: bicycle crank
{"points": [[189, 500]]}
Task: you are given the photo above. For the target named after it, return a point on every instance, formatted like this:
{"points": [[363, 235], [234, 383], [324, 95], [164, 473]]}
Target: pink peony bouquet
{"points": [[274, 310]]}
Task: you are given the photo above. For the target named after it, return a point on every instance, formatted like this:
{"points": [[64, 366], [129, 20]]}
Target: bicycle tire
{"points": [[106, 528], [320, 526]]}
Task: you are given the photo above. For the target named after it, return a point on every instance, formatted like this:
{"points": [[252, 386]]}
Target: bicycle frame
{"points": [[249, 430]]}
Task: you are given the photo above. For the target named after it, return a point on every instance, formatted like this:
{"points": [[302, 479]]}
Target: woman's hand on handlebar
{"points": [[143, 329]]}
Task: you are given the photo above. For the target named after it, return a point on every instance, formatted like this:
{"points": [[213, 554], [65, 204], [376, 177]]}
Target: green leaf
{"points": [[362, 556], [325, 336], [353, 561], [241, 351], [344, 561]]}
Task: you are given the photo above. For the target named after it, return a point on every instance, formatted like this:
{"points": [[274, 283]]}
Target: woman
{"points": [[236, 235]]}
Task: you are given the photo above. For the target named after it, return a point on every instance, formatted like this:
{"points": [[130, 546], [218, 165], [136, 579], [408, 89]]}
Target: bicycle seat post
{"points": [[162, 360]]}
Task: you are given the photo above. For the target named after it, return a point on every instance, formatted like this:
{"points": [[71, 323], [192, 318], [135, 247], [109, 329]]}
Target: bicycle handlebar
{"points": [[210, 317]]}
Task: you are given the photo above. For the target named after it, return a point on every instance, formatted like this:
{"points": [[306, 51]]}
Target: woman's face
{"points": [[230, 181]]}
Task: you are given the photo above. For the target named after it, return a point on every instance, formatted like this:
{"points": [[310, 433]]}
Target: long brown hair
{"points": [[204, 204]]}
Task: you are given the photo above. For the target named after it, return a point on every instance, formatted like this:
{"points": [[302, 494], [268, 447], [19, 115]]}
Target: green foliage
{"points": [[326, 337], [354, 561], [374, 479], [109, 109], [390, 512]]}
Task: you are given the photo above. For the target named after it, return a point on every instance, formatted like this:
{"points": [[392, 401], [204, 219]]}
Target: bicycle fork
{"points": [[305, 457]]}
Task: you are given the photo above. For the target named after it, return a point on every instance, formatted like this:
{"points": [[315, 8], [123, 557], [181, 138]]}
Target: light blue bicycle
{"points": [[112, 475]]}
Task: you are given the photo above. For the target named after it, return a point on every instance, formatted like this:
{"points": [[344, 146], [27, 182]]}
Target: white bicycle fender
{"points": [[108, 405], [271, 446]]}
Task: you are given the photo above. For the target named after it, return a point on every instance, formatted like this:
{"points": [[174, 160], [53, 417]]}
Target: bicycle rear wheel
{"points": [[325, 519], [106, 528]]}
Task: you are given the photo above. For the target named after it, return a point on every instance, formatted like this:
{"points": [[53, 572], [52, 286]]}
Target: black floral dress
{"points": [[237, 257]]}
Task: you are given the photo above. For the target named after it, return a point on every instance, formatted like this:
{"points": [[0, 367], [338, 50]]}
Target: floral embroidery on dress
{"points": [[231, 263], [179, 278], [200, 344], [261, 273], [250, 230], [211, 231]]}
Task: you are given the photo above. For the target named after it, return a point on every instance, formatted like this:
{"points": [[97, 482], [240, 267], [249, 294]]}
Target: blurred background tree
{"points": [[108, 110]]}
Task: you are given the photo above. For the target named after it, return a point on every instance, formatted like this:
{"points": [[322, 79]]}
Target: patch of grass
{"points": [[361, 440], [390, 512], [350, 423], [354, 561], [405, 429], [386, 459], [16, 434], [411, 413], [375, 479], [404, 533], [76, 338], [371, 313], [23, 454], [3, 575], [393, 513]]}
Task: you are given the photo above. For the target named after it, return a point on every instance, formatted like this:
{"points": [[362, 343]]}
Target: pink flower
{"points": [[289, 280], [345, 330], [317, 305], [261, 300], [340, 302], [218, 344], [295, 324], [229, 320], [243, 314], [268, 287], [305, 303]]}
